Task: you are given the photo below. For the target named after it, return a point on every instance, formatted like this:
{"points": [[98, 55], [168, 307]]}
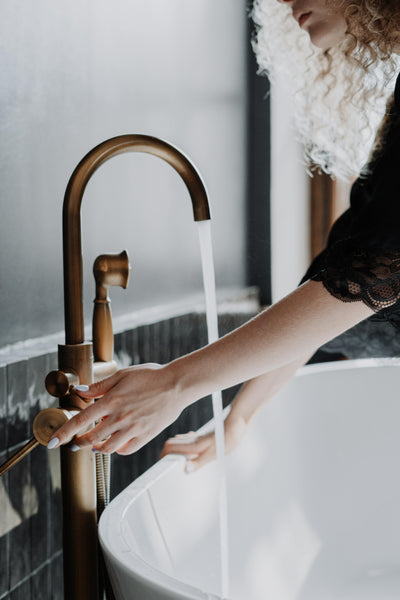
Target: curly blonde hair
{"points": [[341, 94]]}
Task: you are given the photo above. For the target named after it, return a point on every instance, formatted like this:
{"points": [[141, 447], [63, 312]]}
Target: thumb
{"points": [[200, 461], [95, 390]]}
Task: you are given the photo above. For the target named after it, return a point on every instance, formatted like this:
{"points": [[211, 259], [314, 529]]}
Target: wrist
{"points": [[235, 428], [185, 381], [179, 385]]}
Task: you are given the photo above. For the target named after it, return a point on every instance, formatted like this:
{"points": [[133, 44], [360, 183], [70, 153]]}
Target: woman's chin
{"points": [[325, 39]]}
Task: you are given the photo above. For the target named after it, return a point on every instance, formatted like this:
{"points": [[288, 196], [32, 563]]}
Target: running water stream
{"points": [[207, 261]]}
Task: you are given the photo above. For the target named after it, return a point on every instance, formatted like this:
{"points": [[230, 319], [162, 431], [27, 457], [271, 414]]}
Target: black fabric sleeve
{"points": [[352, 274], [361, 261]]}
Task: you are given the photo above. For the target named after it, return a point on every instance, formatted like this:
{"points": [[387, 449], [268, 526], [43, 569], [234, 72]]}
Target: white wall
{"points": [[290, 221], [76, 73]]}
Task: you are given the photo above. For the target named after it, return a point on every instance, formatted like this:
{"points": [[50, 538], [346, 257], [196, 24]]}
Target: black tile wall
{"points": [[18, 408], [30, 552], [40, 524], [56, 583], [4, 539], [19, 493], [55, 535], [22, 591], [40, 583], [3, 408]]}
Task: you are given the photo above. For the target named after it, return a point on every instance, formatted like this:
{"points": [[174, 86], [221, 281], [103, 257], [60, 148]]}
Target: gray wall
{"points": [[74, 74]]}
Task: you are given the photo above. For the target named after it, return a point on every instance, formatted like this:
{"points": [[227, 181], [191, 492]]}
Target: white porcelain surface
{"points": [[314, 501]]}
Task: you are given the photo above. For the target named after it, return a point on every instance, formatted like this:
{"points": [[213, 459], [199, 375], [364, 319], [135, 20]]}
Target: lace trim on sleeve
{"points": [[373, 279]]}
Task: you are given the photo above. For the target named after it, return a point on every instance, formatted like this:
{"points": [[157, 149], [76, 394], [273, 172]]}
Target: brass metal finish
{"points": [[79, 524], [13, 460], [44, 425], [79, 496], [58, 383], [104, 369], [108, 270], [103, 346], [47, 422], [111, 270], [74, 331], [77, 468], [76, 364]]}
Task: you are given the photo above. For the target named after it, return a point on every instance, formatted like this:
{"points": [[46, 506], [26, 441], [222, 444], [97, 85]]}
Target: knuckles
{"points": [[107, 447], [79, 420], [88, 438]]}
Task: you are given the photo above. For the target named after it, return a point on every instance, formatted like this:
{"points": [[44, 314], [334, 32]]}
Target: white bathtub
{"points": [[314, 501]]}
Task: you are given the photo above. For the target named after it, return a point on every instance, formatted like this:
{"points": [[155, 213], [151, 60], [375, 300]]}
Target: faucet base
{"points": [[78, 474]]}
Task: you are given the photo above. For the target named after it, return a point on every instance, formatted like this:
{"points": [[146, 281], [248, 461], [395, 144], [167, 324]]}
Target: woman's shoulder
{"points": [[384, 159]]}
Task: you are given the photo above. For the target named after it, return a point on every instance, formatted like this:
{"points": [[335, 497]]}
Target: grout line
{"points": [[35, 572]]}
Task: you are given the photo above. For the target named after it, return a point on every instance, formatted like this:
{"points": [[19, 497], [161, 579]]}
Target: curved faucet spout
{"points": [[74, 329]]}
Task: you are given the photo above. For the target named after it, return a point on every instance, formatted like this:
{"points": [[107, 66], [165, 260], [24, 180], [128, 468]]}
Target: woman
{"points": [[352, 286]]}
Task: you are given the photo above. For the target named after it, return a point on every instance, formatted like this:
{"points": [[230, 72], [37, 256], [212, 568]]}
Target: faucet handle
{"points": [[58, 383], [22, 452], [44, 425]]}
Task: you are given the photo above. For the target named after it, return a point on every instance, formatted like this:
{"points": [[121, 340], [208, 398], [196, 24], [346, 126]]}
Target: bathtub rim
{"points": [[146, 572], [140, 568]]}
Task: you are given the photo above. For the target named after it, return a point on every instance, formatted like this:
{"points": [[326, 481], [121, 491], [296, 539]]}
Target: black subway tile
{"points": [[5, 524], [40, 583], [39, 520], [132, 345], [22, 591], [144, 349], [37, 369], [57, 579], [18, 407], [120, 349], [20, 495], [3, 409], [4, 528], [52, 358], [55, 513]]}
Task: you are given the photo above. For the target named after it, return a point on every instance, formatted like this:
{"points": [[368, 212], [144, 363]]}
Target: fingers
{"points": [[198, 449], [89, 415], [132, 446], [96, 436], [129, 404], [200, 461], [186, 444], [98, 389], [79, 422]]}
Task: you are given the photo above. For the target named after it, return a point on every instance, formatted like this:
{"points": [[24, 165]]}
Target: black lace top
{"points": [[361, 261]]}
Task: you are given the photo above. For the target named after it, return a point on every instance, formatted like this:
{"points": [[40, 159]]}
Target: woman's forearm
{"points": [[199, 448], [254, 394], [293, 327], [138, 402]]}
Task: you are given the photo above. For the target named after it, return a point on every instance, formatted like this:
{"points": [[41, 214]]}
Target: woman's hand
{"points": [[135, 405], [139, 402], [200, 449]]}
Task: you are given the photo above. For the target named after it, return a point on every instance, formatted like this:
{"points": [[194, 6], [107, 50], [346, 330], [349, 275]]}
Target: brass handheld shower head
{"points": [[108, 270], [111, 270]]}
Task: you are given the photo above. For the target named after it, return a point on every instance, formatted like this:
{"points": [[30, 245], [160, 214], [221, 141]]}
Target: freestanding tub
{"points": [[314, 501]]}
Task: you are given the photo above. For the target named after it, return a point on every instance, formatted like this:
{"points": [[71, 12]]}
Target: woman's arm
{"points": [[293, 327], [139, 402], [255, 394], [199, 449]]}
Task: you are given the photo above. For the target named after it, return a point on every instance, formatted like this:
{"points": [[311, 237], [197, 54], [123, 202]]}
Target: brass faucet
{"points": [[76, 361]]}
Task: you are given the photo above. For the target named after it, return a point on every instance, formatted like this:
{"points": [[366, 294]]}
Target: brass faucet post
{"points": [[76, 357]]}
